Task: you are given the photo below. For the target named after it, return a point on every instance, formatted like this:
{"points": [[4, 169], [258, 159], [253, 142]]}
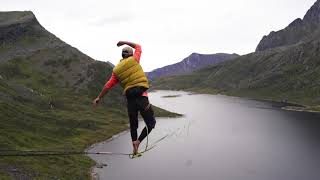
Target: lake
{"points": [[219, 137]]}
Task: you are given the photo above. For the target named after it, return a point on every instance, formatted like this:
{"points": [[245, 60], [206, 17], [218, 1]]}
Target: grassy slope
{"points": [[58, 119], [289, 73], [46, 89], [54, 117]]}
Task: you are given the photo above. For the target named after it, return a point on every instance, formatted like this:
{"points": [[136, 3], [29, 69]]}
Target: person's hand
{"points": [[120, 43], [95, 102]]}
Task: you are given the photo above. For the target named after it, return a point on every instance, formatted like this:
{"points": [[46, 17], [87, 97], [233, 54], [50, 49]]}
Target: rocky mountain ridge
{"points": [[284, 72], [189, 64], [297, 31]]}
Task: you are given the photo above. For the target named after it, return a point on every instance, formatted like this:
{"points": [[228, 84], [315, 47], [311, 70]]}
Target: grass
{"points": [[25, 127], [55, 117], [204, 90], [159, 112], [45, 104], [286, 74]]}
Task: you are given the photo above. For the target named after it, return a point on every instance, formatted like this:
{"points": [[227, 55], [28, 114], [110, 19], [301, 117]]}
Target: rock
{"points": [[191, 63], [297, 31], [24, 38], [313, 14], [101, 165]]}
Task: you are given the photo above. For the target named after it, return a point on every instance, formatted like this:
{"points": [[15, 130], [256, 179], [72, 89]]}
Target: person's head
{"points": [[127, 52]]}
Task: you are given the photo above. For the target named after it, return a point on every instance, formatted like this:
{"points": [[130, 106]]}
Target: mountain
{"points": [[191, 63], [24, 39], [297, 31], [46, 89], [112, 65], [289, 73]]}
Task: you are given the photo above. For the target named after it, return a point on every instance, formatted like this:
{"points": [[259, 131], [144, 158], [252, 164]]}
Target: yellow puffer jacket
{"points": [[130, 74]]}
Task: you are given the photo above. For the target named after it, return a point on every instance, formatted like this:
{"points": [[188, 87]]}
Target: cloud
{"points": [[167, 30], [111, 20]]}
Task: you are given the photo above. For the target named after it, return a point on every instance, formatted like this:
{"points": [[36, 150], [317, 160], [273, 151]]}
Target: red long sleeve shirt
{"points": [[114, 80]]}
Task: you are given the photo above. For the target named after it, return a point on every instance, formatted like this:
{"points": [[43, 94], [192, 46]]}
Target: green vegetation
{"points": [[49, 117], [204, 90], [37, 112], [164, 113], [290, 74], [46, 89]]}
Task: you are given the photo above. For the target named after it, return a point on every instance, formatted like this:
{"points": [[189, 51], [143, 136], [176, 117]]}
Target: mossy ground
{"points": [[54, 117]]}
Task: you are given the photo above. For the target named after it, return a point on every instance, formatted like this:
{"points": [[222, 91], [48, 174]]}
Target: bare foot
{"points": [[135, 146]]}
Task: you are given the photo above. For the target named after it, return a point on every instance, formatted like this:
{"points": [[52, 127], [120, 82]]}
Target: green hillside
{"points": [[46, 89], [288, 73], [37, 113]]}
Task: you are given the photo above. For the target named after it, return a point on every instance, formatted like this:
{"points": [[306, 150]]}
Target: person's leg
{"points": [[147, 114], [133, 119]]}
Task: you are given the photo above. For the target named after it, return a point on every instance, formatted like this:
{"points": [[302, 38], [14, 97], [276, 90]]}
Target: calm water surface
{"points": [[222, 138]]}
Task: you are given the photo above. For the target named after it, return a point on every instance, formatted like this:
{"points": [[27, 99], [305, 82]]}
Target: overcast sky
{"points": [[168, 30]]}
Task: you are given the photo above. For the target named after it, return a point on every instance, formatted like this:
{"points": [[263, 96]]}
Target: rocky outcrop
{"points": [[21, 34], [290, 72], [192, 63], [313, 14], [297, 31], [23, 38]]}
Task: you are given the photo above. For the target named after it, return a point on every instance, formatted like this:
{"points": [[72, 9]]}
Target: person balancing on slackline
{"points": [[135, 84]]}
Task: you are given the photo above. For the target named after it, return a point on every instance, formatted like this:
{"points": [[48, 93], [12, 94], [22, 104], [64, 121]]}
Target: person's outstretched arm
{"points": [[112, 82], [131, 44], [137, 47]]}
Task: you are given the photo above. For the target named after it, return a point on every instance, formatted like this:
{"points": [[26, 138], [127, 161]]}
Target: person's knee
{"points": [[151, 125]]}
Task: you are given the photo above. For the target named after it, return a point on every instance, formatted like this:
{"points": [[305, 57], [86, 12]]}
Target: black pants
{"points": [[140, 104]]}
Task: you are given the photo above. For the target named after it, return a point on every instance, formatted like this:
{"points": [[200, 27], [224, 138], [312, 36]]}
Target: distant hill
{"points": [[191, 63], [297, 31], [289, 72]]}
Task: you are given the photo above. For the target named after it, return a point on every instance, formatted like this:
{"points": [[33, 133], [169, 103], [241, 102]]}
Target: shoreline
{"points": [[303, 109], [159, 113], [95, 175], [289, 106]]}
